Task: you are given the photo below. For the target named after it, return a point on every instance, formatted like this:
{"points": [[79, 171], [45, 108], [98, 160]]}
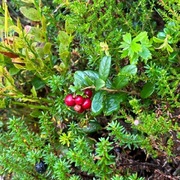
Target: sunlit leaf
{"points": [[129, 70], [85, 78], [30, 13], [104, 67]]}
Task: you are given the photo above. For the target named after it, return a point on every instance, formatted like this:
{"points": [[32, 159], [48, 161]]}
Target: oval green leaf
{"points": [[147, 90], [104, 67], [30, 13], [99, 83], [97, 103], [112, 103], [85, 78], [120, 81], [92, 127], [129, 70]]}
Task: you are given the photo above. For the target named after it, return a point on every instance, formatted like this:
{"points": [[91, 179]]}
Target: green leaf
{"points": [[64, 38], [63, 52], [73, 88], [2, 103], [36, 113], [69, 27], [85, 78], [161, 35], [92, 127], [30, 13], [140, 37], [157, 40], [79, 79], [47, 48], [104, 67], [38, 34], [147, 90], [99, 83], [13, 71], [33, 91], [112, 103], [125, 47], [145, 53], [38, 83], [129, 70], [169, 48], [108, 84], [123, 77], [28, 1], [134, 59], [135, 48], [120, 81], [124, 53], [127, 38], [97, 103]]}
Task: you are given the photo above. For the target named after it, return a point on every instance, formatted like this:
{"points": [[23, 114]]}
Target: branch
{"points": [[113, 90]]}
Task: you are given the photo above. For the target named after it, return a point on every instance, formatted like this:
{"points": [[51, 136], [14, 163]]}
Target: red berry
{"points": [[88, 93], [78, 108], [79, 100], [86, 104], [69, 100]]}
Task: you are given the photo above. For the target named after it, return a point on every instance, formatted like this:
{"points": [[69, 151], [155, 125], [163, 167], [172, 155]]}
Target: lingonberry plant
{"points": [[89, 89]]}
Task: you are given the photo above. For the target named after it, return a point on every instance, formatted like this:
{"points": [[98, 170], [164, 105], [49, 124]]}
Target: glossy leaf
{"points": [[112, 103], [97, 103], [147, 90], [161, 35], [108, 84], [85, 78], [99, 83], [129, 70], [120, 81], [104, 67]]}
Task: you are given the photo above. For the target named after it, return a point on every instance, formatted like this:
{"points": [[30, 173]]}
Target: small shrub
{"points": [[89, 89]]}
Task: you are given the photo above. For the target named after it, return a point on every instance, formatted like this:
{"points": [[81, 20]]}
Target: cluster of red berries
{"points": [[80, 103]]}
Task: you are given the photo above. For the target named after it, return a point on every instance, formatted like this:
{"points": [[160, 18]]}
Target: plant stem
{"points": [[26, 98], [113, 90], [29, 105]]}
